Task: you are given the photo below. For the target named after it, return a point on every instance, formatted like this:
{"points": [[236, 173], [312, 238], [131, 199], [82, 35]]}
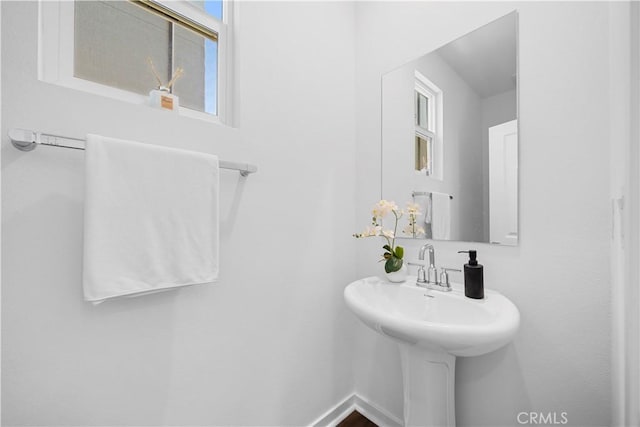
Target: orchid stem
{"points": [[395, 229]]}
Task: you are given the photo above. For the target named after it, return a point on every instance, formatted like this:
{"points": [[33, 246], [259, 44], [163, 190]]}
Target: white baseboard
{"points": [[333, 416], [350, 403], [353, 402]]}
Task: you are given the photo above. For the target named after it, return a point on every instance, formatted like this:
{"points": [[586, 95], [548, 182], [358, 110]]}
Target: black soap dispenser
{"points": [[473, 277]]}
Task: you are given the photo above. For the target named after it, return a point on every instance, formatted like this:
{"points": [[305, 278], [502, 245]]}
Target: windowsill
{"points": [[429, 177], [130, 97]]}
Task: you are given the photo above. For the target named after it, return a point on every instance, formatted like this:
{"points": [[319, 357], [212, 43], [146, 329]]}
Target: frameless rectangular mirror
{"points": [[450, 137]]}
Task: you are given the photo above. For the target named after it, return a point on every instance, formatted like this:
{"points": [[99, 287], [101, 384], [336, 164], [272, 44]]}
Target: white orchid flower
{"points": [[383, 208], [413, 209], [389, 234]]}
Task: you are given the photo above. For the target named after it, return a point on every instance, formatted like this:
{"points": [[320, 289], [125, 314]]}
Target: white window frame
{"points": [[435, 119], [56, 54]]}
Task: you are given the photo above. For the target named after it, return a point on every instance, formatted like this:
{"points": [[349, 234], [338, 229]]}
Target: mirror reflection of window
{"points": [[423, 148], [428, 105], [423, 110]]}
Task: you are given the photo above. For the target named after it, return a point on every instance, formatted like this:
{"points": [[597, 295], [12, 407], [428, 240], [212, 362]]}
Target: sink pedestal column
{"points": [[428, 380]]}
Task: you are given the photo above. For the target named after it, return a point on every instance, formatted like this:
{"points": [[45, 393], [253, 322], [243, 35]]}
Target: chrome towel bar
{"points": [[424, 193], [27, 140]]}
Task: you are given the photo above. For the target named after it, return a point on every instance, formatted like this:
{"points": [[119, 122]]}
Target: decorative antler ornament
{"points": [[176, 75]]}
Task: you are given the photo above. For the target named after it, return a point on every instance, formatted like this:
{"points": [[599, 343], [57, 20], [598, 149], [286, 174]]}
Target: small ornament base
{"points": [[164, 100]]}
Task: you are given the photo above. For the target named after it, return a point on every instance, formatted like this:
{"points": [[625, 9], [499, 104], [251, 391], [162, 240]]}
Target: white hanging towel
{"points": [[440, 216], [150, 218], [427, 209]]}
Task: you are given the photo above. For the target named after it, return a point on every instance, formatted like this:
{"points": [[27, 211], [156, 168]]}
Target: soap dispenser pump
{"points": [[473, 276]]}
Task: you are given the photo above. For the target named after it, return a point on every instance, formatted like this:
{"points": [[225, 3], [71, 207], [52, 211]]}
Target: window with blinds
{"points": [[114, 40]]}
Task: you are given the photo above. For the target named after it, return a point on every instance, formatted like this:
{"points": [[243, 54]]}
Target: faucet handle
{"points": [[422, 276], [444, 276]]}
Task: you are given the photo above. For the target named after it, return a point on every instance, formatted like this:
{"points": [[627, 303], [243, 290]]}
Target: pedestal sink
{"points": [[431, 329]]}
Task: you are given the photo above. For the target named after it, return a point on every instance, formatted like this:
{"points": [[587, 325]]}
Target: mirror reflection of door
{"points": [[503, 183]]}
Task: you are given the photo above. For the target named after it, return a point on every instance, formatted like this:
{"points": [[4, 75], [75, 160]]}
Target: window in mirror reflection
{"points": [[422, 113], [423, 148], [428, 127]]}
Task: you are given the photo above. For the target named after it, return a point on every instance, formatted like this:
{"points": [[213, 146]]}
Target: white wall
{"points": [[624, 112], [270, 344], [630, 325], [0, 216], [559, 274]]}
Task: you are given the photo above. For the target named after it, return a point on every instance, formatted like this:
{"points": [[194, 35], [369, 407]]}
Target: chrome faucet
{"points": [[429, 279], [432, 271]]}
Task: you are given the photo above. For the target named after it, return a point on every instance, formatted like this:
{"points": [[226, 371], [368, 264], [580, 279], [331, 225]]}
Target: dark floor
{"points": [[356, 419]]}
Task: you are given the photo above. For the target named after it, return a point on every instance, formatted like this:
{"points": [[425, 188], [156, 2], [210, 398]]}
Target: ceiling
{"points": [[486, 58]]}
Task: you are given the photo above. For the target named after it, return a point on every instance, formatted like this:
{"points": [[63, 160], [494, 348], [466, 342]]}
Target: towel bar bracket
{"points": [[22, 140]]}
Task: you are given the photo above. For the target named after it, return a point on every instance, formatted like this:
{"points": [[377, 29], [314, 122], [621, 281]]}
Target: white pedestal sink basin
{"points": [[431, 329]]}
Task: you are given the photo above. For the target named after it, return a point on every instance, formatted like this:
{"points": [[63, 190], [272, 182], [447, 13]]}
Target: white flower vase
{"points": [[397, 276]]}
